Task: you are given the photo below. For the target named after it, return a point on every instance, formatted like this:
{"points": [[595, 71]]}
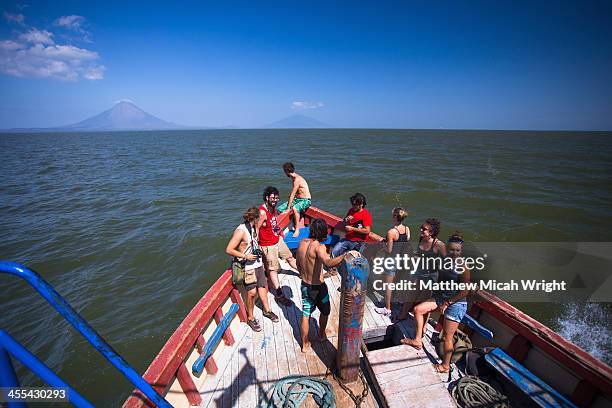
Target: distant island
{"points": [[125, 115], [298, 122]]}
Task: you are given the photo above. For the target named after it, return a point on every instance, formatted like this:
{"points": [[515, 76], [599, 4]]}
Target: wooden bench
{"points": [[534, 387]]}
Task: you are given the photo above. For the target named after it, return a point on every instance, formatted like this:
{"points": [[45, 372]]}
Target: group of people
{"points": [[452, 304], [258, 244]]}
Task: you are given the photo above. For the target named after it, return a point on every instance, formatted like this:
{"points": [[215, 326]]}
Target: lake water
{"points": [[131, 227]]}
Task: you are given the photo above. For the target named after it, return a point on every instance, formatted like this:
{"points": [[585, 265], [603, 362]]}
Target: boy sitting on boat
{"points": [[300, 198], [311, 256], [357, 224]]}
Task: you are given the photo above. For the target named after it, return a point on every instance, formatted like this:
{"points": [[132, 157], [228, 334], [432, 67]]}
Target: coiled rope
{"points": [[291, 391], [472, 392]]}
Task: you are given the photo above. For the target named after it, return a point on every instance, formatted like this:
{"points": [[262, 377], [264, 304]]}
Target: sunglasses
{"points": [[425, 229]]}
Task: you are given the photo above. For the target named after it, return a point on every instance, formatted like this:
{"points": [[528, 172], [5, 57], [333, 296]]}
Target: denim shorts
{"points": [[454, 311]]}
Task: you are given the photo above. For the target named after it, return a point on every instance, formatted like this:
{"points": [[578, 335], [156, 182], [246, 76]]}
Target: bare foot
{"points": [[306, 347], [417, 344], [296, 233], [441, 369]]}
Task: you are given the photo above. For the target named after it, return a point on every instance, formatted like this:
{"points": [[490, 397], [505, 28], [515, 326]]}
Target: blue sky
{"points": [[463, 65]]}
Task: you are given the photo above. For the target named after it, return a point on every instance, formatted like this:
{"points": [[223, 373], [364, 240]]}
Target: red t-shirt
{"points": [[269, 232], [361, 219]]}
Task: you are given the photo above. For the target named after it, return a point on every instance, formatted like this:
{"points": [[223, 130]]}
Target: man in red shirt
{"points": [[272, 244], [358, 224]]}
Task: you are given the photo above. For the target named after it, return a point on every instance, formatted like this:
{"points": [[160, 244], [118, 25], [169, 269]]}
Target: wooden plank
{"points": [[432, 396], [261, 376], [236, 298], [539, 392], [293, 316], [184, 378], [287, 337], [226, 398], [217, 394], [213, 341], [228, 338], [315, 366], [475, 325], [415, 376], [396, 358], [279, 338], [332, 285], [245, 374], [235, 362], [269, 344]]}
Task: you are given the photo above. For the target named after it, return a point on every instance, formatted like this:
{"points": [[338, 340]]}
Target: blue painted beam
{"points": [[536, 389], [215, 338], [8, 378], [474, 324], [57, 301], [39, 368]]}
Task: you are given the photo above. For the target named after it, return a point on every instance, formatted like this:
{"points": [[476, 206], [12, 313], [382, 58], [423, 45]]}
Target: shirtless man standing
{"points": [[300, 198], [311, 256]]}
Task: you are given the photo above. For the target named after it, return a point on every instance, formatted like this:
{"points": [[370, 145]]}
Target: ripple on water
{"points": [[131, 227]]}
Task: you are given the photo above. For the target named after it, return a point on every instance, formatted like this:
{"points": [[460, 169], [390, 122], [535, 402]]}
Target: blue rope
{"points": [[291, 391]]}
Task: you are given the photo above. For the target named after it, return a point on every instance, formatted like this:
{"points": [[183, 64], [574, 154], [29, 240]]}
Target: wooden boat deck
{"points": [[249, 368]]}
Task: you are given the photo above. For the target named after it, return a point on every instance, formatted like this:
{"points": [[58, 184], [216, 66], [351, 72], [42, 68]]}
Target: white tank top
{"points": [[249, 249]]}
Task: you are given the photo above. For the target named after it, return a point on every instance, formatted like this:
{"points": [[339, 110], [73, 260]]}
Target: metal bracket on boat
{"points": [[215, 338], [71, 316]]}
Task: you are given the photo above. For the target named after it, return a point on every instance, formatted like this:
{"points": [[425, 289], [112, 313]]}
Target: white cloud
{"points": [[74, 23], [35, 54], [14, 18], [37, 36], [61, 62], [306, 105]]}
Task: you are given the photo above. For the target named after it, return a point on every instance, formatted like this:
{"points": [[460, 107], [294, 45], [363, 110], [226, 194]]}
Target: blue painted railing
{"points": [[8, 378], [57, 301], [214, 340], [475, 325]]}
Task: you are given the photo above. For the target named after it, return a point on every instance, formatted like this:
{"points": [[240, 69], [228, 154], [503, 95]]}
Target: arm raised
{"points": [[324, 257]]}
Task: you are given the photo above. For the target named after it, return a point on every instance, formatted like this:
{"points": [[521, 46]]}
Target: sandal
{"points": [[383, 311], [254, 325]]}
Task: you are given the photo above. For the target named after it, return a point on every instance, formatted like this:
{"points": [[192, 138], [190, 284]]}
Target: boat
{"points": [[213, 359], [245, 365]]}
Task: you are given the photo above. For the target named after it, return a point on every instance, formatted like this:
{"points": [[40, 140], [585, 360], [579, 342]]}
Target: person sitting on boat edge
{"points": [[430, 251], [357, 224], [244, 248], [299, 199], [396, 243], [272, 243], [450, 303], [311, 256]]}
